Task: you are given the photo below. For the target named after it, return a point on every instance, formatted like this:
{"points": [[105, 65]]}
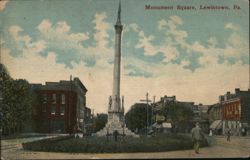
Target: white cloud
{"points": [[236, 46], [145, 43], [198, 47], [3, 4], [212, 41], [44, 26], [131, 27], [170, 52], [39, 46], [206, 83], [24, 43], [14, 32], [37, 69], [101, 35], [231, 26], [60, 34], [161, 24], [169, 27], [176, 19]]}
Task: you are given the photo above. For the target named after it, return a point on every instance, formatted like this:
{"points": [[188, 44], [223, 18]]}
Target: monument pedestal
{"points": [[116, 123]]}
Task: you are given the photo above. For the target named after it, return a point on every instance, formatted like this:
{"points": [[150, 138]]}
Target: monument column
{"points": [[116, 120], [117, 64]]}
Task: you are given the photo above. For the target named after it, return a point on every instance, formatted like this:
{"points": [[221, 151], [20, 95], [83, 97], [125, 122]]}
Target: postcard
{"points": [[108, 79]]}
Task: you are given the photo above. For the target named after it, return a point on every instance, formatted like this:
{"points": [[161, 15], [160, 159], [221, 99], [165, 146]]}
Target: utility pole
{"points": [[93, 122], [0, 47], [147, 100], [70, 105], [153, 107]]}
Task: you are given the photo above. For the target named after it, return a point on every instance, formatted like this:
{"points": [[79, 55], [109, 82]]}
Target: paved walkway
{"points": [[237, 147]]}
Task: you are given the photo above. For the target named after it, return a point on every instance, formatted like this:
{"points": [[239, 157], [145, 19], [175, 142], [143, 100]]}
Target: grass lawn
{"points": [[161, 142]]}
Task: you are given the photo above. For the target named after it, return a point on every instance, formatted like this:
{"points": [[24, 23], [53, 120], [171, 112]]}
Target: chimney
{"points": [[161, 98], [221, 98], [237, 90]]}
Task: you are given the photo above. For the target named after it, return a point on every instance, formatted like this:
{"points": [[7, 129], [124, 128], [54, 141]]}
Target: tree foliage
{"points": [[179, 113], [99, 121], [16, 104], [136, 117]]}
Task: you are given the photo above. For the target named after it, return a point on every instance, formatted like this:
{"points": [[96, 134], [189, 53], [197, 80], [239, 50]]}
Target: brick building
{"points": [[60, 106], [236, 111]]}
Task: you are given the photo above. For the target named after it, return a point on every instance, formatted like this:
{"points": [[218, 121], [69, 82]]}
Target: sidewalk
{"points": [[240, 137]]}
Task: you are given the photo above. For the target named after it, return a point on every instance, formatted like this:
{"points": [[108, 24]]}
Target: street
{"points": [[237, 147]]}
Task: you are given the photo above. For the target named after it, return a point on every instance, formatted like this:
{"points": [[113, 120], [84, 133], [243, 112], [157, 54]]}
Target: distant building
{"points": [[61, 106], [214, 112], [215, 118], [201, 116], [236, 112], [166, 101]]}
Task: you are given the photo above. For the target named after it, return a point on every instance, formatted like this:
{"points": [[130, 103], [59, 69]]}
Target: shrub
{"points": [[162, 142]]}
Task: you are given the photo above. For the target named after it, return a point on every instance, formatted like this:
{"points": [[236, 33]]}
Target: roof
{"points": [[61, 85]]}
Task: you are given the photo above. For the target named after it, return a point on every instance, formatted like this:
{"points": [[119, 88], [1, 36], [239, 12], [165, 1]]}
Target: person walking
{"points": [[228, 134], [197, 136], [210, 133]]}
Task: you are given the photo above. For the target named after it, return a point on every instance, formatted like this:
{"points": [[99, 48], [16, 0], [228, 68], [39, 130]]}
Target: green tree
{"points": [[136, 117], [16, 107], [99, 121], [179, 113]]}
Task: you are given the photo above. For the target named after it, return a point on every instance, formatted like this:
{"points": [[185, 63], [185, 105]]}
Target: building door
{"points": [[57, 126]]}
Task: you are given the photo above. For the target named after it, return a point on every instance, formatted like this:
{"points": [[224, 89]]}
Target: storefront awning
{"points": [[217, 124]]}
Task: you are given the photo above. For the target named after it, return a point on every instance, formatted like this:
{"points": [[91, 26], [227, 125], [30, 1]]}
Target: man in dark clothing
{"points": [[197, 136], [228, 134]]}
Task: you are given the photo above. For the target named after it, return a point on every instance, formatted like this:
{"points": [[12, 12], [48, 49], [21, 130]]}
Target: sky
{"points": [[196, 55]]}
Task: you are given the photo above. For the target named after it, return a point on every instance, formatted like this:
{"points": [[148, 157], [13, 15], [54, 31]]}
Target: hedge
{"points": [[162, 142]]}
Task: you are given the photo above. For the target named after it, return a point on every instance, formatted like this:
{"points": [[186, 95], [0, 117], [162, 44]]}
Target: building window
{"points": [[53, 110], [63, 98], [53, 98], [44, 98], [62, 110]]}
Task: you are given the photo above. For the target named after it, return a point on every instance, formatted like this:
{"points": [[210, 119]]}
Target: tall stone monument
{"points": [[116, 120]]}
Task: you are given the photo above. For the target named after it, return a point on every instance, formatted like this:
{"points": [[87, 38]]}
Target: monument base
{"points": [[115, 124]]}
